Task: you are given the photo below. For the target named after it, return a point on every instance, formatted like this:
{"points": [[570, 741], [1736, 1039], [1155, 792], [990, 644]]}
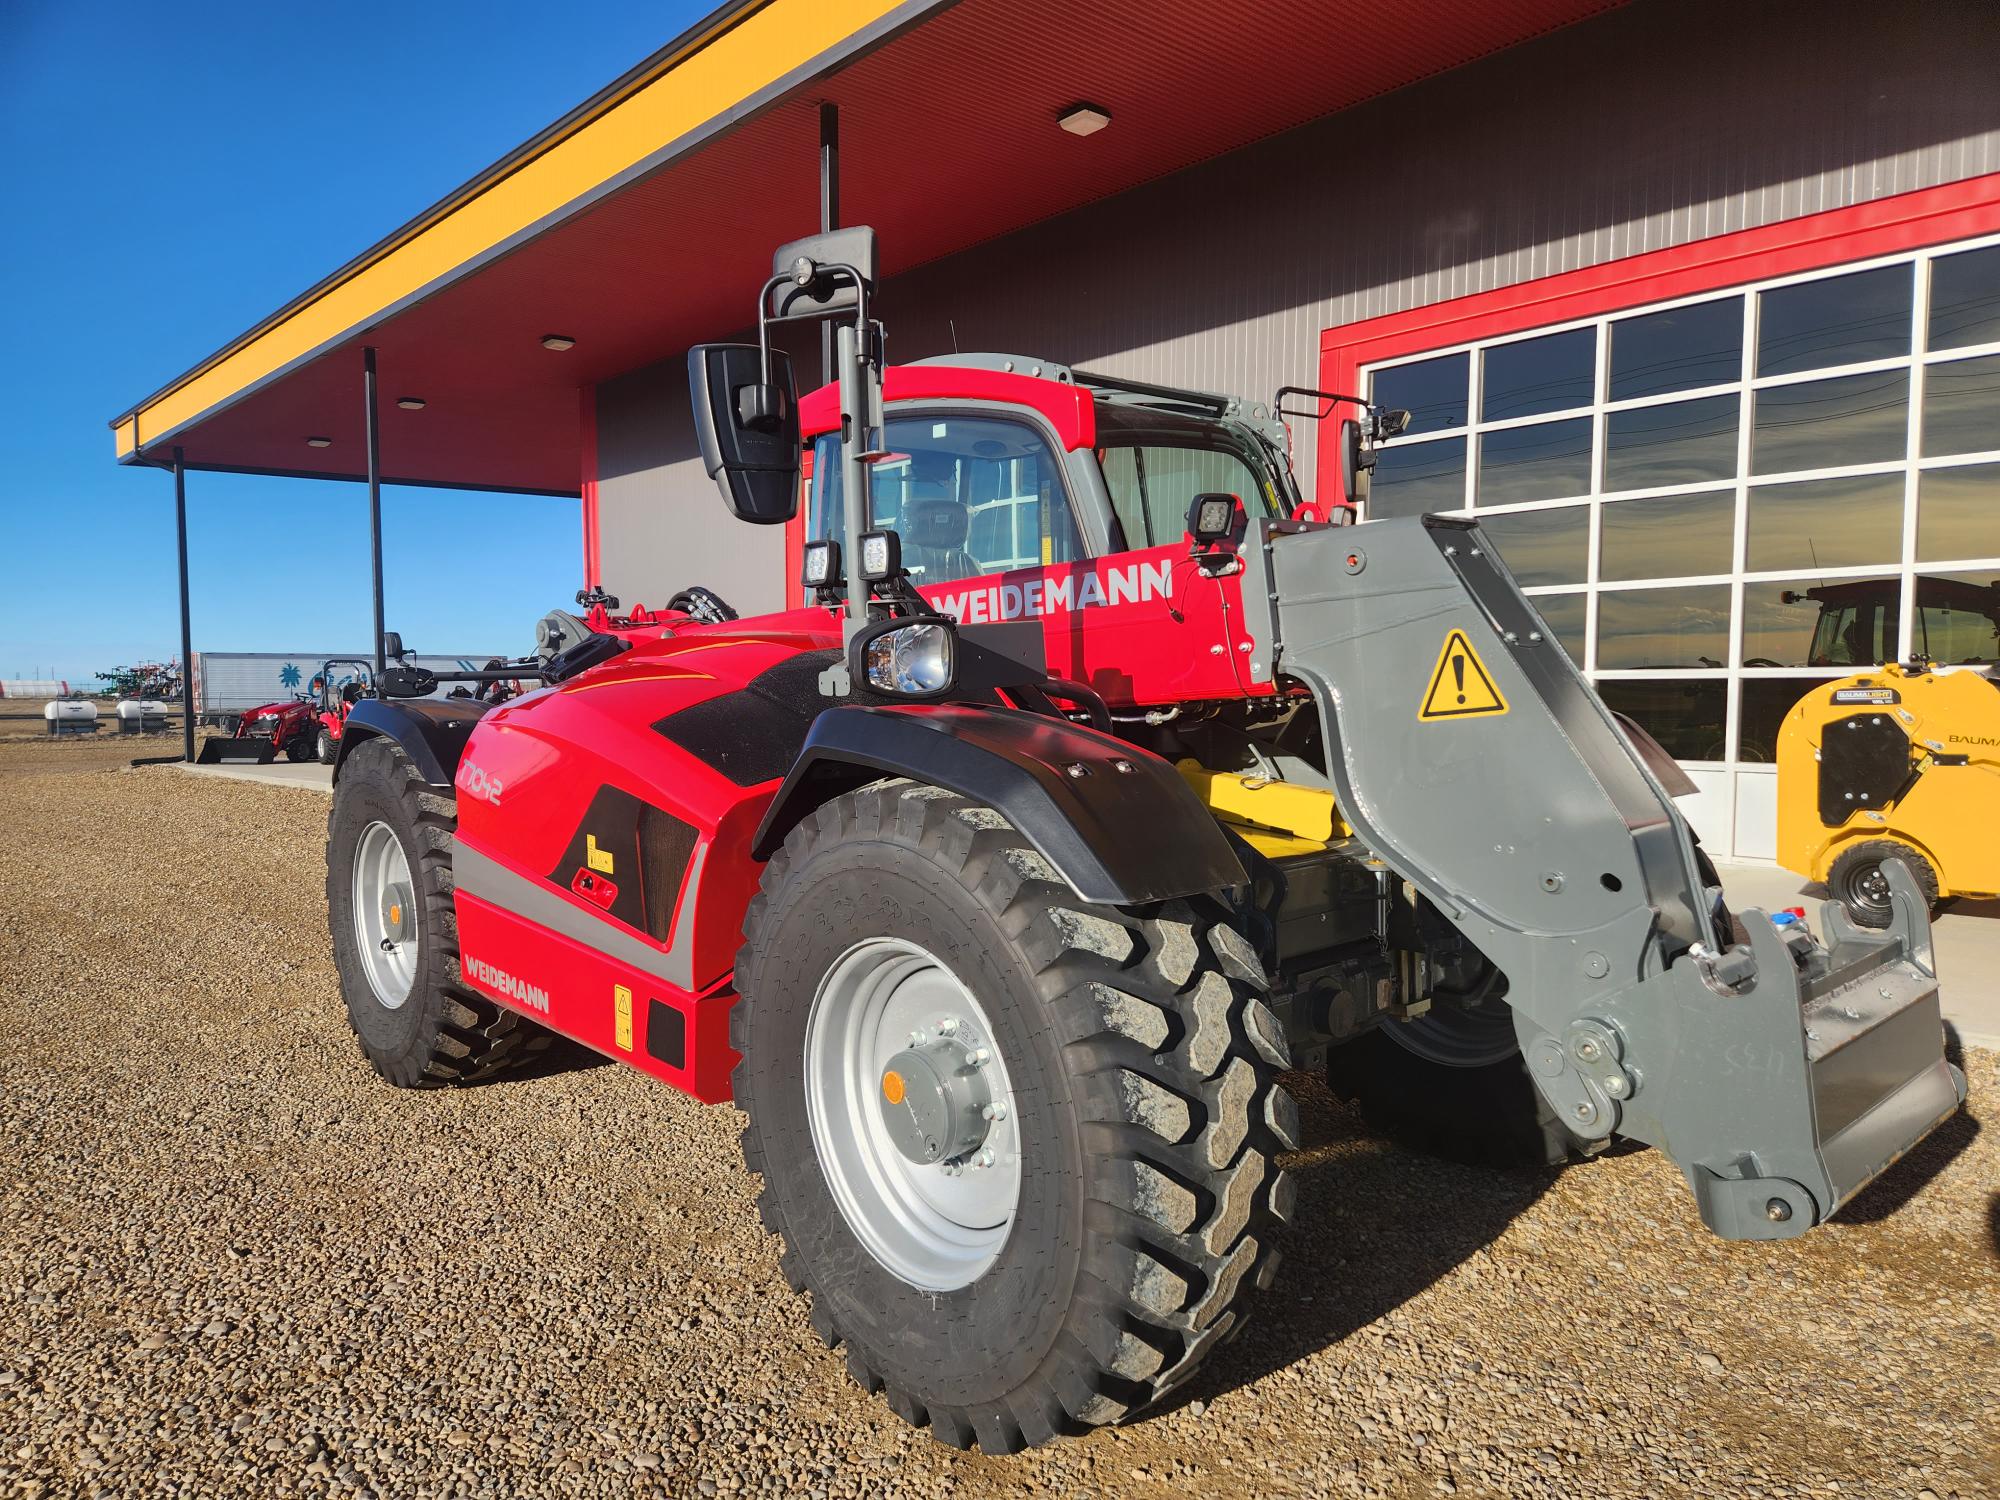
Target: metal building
{"points": [[1697, 304]]}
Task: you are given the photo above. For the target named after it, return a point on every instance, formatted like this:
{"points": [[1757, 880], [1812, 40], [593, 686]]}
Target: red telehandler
{"points": [[1101, 781]]}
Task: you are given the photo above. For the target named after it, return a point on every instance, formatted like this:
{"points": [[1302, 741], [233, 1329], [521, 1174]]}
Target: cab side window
{"points": [[968, 495], [1152, 486]]}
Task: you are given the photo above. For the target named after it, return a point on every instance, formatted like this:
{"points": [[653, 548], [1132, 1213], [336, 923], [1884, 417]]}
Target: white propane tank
{"points": [[70, 716], [136, 715]]}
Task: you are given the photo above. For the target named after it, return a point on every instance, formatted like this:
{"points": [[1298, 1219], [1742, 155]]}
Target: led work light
{"points": [[819, 567], [881, 555], [1211, 518]]}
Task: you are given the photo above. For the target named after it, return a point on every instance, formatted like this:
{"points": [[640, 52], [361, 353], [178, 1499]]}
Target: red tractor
{"points": [[306, 726], [1100, 782]]}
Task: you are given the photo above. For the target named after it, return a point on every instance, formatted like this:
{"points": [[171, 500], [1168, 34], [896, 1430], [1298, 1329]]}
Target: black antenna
{"points": [[952, 323]]}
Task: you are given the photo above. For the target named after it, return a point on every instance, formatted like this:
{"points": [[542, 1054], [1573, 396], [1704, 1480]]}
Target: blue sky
{"points": [[169, 175]]}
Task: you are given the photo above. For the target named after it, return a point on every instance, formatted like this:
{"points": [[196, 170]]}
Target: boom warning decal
{"points": [[979, 602], [500, 982]]}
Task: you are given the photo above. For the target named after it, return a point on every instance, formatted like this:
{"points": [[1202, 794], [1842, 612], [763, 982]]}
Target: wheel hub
{"points": [[936, 1101], [912, 1113], [396, 913]]}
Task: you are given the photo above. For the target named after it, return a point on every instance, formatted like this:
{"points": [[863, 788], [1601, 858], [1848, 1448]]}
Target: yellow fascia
{"points": [[1276, 818], [719, 74]]}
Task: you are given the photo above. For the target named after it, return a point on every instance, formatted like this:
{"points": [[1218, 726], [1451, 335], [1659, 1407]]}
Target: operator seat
{"points": [[933, 533]]}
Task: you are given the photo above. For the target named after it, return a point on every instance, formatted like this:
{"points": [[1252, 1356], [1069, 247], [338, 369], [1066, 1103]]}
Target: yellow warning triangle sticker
{"points": [[1461, 687]]}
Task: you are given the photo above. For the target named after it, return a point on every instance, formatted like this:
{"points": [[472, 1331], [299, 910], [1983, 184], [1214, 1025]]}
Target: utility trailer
{"points": [[1101, 781]]}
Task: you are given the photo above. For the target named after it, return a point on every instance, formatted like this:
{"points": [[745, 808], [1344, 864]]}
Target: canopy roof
{"points": [[643, 221]]}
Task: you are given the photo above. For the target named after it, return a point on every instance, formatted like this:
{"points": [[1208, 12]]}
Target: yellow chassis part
{"points": [[1950, 810], [1276, 818]]}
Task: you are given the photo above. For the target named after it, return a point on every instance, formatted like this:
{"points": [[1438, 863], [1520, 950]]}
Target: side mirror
{"points": [[392, 644], [748, 429]]}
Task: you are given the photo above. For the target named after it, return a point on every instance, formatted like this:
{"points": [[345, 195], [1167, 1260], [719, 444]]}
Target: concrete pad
{"points": [[1966, 935], [308, 774]]}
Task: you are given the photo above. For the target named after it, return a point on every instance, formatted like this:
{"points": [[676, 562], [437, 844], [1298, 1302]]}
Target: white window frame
{"points": [[1905, 567]]}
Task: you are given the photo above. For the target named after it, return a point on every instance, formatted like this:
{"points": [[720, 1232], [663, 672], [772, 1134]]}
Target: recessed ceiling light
{"points": [[319, 442], [1084, 119], [410, 403], [558, 342]]}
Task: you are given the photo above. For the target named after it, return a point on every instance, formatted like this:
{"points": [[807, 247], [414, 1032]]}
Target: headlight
{"points": [[915, 660]]}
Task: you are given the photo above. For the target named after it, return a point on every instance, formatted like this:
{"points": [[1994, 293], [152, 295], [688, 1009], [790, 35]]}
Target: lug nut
{"points": [[985, 1158], [948, 1026], [980, 1057], [917, 1039], [994, 1112]]}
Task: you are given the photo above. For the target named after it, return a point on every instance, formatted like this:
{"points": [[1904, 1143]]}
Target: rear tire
{"points": [[299, 747], [1483, 1113], [417, 1023], [1142, 1063], [1856, 878]]}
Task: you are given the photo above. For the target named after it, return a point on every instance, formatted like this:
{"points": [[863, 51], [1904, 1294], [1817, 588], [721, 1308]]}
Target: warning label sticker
{"points": [[1461, 687]]}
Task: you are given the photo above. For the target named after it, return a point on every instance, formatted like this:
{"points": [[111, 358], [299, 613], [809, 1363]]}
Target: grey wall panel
{"points": [[1665, 122], [661, 522]]}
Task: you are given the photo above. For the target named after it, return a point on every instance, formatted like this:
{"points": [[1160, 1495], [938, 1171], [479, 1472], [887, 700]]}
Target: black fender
{"points": [[432, 732], [1119, 824]]}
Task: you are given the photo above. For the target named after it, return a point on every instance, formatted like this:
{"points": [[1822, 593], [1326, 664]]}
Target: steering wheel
{"points": [[703, 605]]}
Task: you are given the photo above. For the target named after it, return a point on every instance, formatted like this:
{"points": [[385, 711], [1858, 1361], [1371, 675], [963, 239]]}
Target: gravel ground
{"points": [[233, 1263]]}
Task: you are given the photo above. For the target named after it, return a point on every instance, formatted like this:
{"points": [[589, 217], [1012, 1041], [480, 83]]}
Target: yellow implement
{"points": [[1897, 761]]}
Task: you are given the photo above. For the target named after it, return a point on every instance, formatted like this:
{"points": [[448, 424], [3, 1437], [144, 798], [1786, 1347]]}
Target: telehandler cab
{"points": [[1101, 781]]}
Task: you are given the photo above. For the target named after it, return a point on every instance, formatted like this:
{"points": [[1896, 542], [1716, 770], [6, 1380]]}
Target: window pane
{"points": [[1563, 614], [1840, 321], [1827, 523], [1677, 350], [1965, 298], [1152, 486], [1962, 406], [1542, 547], [1958, 513], [1676, 536], [1687, 718], [1544, 462], [1663, 627], [1551, 373], [1433, 390], [965, 493], [1821, 424], [1684, 443], [1417, 477], [1958, 617], [1849, 622], [1766, 701]]}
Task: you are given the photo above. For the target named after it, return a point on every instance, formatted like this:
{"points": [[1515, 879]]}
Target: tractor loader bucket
{"points": [[1468, 753], [215, 751]]}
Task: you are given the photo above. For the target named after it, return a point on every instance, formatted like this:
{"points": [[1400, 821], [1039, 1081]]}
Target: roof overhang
{"points": [[643, 221]]}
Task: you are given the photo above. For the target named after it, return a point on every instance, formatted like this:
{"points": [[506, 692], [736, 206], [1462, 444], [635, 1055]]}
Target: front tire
{"points": [[326, 747], [1856, 879], [1140, 1065], [395, 935]]}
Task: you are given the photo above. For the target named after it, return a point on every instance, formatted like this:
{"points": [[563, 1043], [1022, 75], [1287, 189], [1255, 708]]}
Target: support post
{"points": [[374, 502], [187, 645], [829, 214]]}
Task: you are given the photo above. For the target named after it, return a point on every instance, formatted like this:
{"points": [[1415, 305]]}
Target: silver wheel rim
{"points": [[940, 1226], [1458, 1036], [385, 917]]}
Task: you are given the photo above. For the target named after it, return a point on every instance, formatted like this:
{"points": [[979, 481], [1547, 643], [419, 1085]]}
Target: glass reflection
{"points": [[1962, 406], [1551, 373], [1826, 523], [1684, 442], [1545, 461], [1418, 477], [1841, 320], [1433, 391], [1965, 299], [1542, 547], [1676, 536], [1810, 622], [1677, 350], [1958, 513], [1689, 719], [1680, 627], [1825, 424]]}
